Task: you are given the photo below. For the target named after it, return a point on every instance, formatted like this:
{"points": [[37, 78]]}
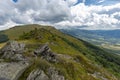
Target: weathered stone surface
{"points": [[37, 75], [11, 71], [54, 74], [46, 53], [42, 50], [14, 46], [13, 50], [40, 75]]}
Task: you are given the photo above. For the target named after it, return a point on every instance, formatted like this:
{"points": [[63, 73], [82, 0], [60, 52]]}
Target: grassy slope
{"points": [[88, 56], [15, 32]]}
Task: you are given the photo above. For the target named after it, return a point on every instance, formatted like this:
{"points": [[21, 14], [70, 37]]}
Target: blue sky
{"points": [[99, 2], [92, 14], [15, 1]]}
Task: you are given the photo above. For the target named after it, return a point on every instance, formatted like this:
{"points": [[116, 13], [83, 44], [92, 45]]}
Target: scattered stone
{"points": [[65, 56], [54, 74], [40, 75], [18, 57], [42, 50], [99, 76], [46, 53], [37, 75]]}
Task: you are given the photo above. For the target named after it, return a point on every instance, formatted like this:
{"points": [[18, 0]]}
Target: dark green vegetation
{"points": [[3, 38], [85, 59], [109, 40]]}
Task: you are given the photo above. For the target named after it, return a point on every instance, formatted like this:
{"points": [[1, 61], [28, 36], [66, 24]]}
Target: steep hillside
{"points": [[54, 54]]}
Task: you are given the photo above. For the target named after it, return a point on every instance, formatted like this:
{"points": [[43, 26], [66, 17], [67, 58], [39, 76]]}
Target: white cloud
{"points": [[84, 1], [33, 11], [60, 13], [101, 1], [71, 2], [94, 16]]}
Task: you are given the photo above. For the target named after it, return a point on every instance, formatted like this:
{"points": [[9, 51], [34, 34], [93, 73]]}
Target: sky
{"points": [[85, 14]]}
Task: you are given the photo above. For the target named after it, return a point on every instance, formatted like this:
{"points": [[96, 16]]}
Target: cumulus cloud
{"points": [[94, 16], [101, 1], [34, 11], [60, 13], [71, 2]]}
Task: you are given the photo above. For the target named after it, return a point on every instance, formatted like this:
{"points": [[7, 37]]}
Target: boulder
{"points": [[12, 71], [37, 75], [40, 75], [13, 50], [42, 50], [54, 74], [46, 53]]}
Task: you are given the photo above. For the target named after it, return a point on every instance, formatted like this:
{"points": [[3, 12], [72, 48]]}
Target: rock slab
{"points": [[11, 71]]}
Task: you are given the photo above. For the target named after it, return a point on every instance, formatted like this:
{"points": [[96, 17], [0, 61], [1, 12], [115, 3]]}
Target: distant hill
{"points": [[77, 59], [97, 37]]}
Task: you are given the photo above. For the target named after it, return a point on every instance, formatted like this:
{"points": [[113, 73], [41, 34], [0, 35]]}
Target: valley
{"points": [[106, 39]]}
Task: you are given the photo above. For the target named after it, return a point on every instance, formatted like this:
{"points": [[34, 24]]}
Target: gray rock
{"points": [[4, 79], [14, 46], [54, 74], [46, 53], [13, 50], [18, 57], [37, 75], [42, 50], [12, 71], [40, 75], [99, 76]]}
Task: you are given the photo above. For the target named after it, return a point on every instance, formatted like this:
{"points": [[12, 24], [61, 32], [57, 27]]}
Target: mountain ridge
{"points": [[78, 60]]}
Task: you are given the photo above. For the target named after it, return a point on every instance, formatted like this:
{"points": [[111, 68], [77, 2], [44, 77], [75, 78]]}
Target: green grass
{"points": [[16, 31], [35, 64], [90, 58]]}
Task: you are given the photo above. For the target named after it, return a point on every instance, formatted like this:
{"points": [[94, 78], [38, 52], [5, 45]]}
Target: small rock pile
{"points": [[40, 75]]}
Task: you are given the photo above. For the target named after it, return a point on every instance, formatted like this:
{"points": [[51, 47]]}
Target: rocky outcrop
{"points": [[37, 75], [43, 50], [52, 74], [46, 53], [12, 71], [13, 50]]}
